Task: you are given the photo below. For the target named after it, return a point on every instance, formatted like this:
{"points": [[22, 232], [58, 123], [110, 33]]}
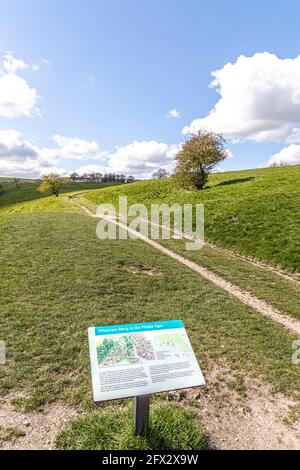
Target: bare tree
{"points": [[74, 176], [160, 173], [16, 180], [130, 179], [98, 177]]}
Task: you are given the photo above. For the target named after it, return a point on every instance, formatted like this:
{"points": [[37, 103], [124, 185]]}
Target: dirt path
{"points": [[244, 296], [39, 428], [292, 277], [285, 274], [255, 419]]}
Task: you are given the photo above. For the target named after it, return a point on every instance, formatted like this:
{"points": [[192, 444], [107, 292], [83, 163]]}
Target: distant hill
{"points": [[26, 191], [254, 212]]}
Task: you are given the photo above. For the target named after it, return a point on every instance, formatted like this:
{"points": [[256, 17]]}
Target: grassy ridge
{"points": [[58, 279], [282, 293], [254, 212], [26, 197], [279, 291]]}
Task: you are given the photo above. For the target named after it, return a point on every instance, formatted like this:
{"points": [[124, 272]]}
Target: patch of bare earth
{"points": [[143, 269], [236, 412], [247, 416], [40, 428]]}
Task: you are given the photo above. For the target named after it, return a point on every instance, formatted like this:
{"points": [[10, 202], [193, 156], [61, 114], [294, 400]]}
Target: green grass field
{"points": [[254, 212], [26, 197], [268, 286], [58, 278]]}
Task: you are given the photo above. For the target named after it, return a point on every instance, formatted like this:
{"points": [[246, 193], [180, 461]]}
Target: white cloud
{"points": [[19, 157], [173, 113], [77, 149], [259, 99], [287, 156], [17, 97], [142, 158], [29, 169], [45, 61], [229, 153], [11, 64], [139, 159], [90, 78], [13, 146], [22, 157], [92, 169]]}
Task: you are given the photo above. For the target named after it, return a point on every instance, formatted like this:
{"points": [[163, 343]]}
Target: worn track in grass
{"points": [[244, 296]]}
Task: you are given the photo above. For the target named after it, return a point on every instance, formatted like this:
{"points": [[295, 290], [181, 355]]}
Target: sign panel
{"points": [[141, 358]]}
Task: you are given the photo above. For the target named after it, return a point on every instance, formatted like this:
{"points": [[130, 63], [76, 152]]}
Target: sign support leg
{"points": [[141, 414]]}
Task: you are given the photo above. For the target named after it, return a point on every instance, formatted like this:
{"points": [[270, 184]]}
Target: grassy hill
{"points": [[26, 198], [58, 278], [254, 212]]}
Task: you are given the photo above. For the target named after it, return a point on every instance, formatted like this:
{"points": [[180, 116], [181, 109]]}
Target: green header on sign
{"points": [[137, 327]]}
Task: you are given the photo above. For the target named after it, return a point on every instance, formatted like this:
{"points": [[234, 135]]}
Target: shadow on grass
{"points": [[235, 181]]}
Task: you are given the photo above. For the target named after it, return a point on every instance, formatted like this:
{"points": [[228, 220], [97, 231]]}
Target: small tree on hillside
{"points": [[52, 183], [199, 155], [16, 180], [98, 177], [160, 173], [74, 176], [130, 179]]}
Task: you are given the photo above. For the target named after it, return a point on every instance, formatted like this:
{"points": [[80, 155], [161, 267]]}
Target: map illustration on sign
{"points": [[141, 358], [126, 349], [173, 341]]}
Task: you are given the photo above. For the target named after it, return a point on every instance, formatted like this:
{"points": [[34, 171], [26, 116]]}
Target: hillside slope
{"points": [[24, 197], [58, 278], [254, 212]]}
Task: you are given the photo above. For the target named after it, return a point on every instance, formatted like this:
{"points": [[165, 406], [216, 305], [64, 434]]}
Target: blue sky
{"points": [[109, 72]]}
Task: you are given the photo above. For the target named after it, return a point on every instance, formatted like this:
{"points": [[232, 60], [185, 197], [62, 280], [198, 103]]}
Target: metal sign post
{"points": [[141, 414]]}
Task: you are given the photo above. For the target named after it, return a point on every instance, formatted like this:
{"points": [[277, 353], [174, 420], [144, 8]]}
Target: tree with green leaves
{"points": [[52, 183], [199, 155]]}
